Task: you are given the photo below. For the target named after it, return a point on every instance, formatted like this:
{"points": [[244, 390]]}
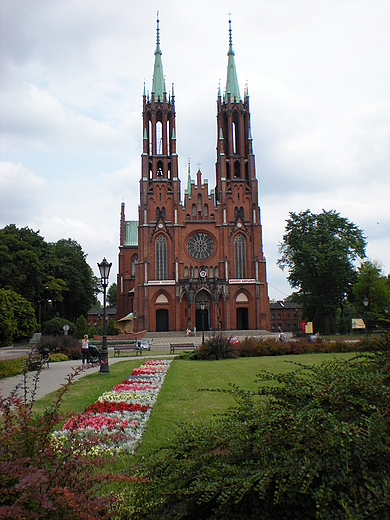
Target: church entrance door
{"points": [[242, 318], [162, 321], [199, 320]]}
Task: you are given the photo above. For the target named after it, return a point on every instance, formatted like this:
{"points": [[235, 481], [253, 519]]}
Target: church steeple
{"points": [[158, 86], [232, 87]]}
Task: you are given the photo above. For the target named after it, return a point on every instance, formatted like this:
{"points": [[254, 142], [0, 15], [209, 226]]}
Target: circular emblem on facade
{"points": [[203, 274], [200, 246], [160, 225], [239, 224]]}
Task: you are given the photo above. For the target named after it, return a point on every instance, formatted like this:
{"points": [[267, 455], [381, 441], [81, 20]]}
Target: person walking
{"points": [[85, 350]]}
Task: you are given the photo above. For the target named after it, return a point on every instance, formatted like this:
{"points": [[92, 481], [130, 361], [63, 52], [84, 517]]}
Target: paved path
{"points": [[52, 378]]}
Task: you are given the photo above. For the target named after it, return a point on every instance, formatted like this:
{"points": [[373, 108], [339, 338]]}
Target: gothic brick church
{"points": [[203, 252]]}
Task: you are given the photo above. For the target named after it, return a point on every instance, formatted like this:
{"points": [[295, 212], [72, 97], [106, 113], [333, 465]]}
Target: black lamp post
{"points": [[365, 303], [104, 268], [297, 321], [202, 311]]}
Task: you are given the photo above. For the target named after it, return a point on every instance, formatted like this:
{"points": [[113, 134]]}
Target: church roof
{"points": [[158, 86], [232, 87], [130, 233]]}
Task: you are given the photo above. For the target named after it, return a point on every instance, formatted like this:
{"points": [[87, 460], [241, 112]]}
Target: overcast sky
{"points": [[72, 74]]}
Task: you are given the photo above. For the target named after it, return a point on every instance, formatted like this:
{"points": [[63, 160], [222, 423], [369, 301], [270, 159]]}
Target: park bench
{"points": [[181, 346], [37, 359], [127, 348]]}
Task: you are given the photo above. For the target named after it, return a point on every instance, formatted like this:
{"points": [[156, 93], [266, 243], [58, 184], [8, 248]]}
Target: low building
{"points": [[285, 316], [95, 316]]}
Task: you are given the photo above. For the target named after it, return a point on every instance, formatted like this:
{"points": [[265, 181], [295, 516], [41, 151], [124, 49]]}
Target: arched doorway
{"points": [[202, 318], [242, 318], [162, 320]]}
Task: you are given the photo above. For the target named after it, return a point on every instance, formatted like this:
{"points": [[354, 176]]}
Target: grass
{"points": [[181, 399]]}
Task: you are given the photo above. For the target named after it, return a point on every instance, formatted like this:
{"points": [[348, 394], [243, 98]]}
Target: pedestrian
{"points": [[194, 331], [85, 349]]}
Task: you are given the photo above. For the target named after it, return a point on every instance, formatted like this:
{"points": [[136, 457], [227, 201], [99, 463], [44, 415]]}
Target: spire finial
{"points": [[231, 80], [158, 33], [230, 34]]}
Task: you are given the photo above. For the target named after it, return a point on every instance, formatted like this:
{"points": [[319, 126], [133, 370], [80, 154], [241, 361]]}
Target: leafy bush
{"points": [[54, 327], [66, 345], [12, 367], [38, 480], [218, 347], [311, 444]]}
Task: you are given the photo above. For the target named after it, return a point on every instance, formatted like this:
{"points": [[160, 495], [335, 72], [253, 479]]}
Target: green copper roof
{"points": [[232, 87], [131, 233], [158, 86]]}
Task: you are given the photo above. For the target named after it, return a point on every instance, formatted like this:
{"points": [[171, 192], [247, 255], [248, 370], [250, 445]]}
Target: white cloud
{"points": [[71, 104], [21, 194]]}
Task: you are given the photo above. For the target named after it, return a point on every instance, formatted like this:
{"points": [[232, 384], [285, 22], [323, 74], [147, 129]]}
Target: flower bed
{"points": [[117, 420]]}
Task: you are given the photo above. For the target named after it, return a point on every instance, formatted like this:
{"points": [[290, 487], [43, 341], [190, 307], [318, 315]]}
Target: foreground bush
{"points": [[38, 481], [313, 444]]}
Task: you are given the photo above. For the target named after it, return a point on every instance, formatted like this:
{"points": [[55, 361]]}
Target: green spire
{"points": [[158, 86], [232, 87]]}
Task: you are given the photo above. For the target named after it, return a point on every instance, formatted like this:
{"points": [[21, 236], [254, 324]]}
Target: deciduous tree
{"points": [[319, 251]]}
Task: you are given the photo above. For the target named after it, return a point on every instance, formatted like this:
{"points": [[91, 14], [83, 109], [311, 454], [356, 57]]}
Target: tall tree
{"points": [[70, 265], [111, 295], [372, 284], [319, 251], [24, 257]]}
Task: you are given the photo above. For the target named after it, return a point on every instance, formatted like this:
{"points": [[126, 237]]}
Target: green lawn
{"points": [[181, 398]]}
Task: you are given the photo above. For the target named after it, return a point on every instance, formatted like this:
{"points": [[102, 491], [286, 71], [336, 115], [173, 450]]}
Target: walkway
{"points": [[52, 378]]}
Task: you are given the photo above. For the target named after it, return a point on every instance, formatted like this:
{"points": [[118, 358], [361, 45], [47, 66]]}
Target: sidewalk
{"points": [[52, 378]]}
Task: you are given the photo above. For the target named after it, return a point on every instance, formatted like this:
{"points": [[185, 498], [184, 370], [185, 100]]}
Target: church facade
{"points": [[198, 260]]}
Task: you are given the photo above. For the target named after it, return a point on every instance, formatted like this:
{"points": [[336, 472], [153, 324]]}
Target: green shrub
{"points": [[81, 327], [54, 327], [312, 444], [12, 367], [54, 358], [218, 347], [92, 332]]}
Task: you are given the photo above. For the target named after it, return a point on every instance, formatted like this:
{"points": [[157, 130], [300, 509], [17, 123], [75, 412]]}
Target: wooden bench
{"points": [[127, 348], [37, 359], [181, 346]]}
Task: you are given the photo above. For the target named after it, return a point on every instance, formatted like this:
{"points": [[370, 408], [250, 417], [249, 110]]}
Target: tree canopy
{"points": [[319, 251], [54, 277], [111, 295], [373, 285]]}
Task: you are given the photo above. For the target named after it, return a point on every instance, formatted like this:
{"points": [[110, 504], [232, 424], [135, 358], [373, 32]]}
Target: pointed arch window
{"points": [[193, 212], [159, 138], [161, 258], [160, 172], [206, 211], [150, 135], [134, 261], [235, 133], [240, 256], [199, 207]]}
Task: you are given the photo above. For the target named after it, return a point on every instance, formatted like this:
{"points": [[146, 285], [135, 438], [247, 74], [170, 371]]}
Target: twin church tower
{"points": [[202, 257]]}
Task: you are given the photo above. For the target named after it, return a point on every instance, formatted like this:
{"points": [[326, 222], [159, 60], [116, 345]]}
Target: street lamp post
{"points": [[104, 268], [202, 311], [365, 303]]}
